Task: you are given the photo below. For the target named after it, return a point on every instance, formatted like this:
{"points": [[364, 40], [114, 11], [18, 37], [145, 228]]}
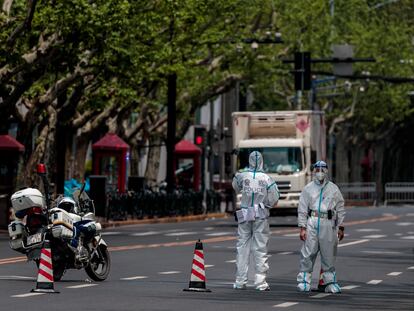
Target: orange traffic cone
{"points": [[44, 282], [321, 284], [198, 273]]}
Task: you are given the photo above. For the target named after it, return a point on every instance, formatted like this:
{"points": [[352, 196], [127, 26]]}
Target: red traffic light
{"points": [[199, 140], [41, 168]]}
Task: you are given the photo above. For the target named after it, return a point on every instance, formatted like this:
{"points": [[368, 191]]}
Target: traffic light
{"points": [[200, 136], [302, 71]]}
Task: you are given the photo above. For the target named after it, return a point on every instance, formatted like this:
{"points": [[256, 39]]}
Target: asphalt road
{"points": [[151, 266]]}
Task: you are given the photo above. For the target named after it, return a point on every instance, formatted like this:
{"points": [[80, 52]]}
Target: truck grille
{"points": [[283, 185]]}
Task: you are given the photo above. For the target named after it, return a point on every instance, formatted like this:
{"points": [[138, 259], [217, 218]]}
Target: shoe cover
{"points": [[333, 288], [237, 286]]}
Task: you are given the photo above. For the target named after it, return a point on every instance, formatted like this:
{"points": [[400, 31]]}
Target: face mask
{"points": [[320, 176]]}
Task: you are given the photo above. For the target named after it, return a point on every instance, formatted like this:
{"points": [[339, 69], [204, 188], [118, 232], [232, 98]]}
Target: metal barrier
{"points": [[149, 203], [359, 193], [399, 192]]}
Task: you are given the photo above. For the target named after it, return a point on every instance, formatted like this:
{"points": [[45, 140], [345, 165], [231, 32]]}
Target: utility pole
{"points": [[171, 130]]}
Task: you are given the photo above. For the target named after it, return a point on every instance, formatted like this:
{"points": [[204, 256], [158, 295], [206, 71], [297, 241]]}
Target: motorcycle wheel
{"points": [[58, 270], [99, 265]]}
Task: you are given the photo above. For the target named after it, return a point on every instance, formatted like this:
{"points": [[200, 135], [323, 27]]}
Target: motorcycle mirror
{"points": [[41, 168], [82, 189]]}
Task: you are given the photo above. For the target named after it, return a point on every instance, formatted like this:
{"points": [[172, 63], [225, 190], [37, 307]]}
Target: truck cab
{"points": [[290, 141]]}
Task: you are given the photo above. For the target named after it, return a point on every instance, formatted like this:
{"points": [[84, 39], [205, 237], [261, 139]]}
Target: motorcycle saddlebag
{"points": [[17, 232]]}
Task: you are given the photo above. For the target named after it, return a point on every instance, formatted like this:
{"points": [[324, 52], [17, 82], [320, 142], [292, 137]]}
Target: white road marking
{"points": [[410, 232], [374, 236], [285, 253], [145, 233], [16, 277], [410, 237], [410, 214], [138, 277], [368, 230], [404, 224], [292, 235], [394, 273], [231, 261], [374, 282], [219, 233], [231, 247], [175, 230], [321, 295], [285, 304], [350, 286], [353, 243], [81, 286], [209, 228], [180, 233], [382, 252], [111, 233], [169, 272], [398, 234], [208, 266], [410, 268], [27, 295]]}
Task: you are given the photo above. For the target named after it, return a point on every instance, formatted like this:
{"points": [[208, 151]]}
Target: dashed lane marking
{"points": [[410, 214], [145, 233], [321, 295], [374, 282], [410, 232], [16, 277], [398, 234], [111, 233], [209, 228], [291, 235], [404, 224], [350, 286], [27, 295], [285, 304], [218, 233], [180, 233], [410, 237], [382, 252], [169, 272], [394, 273], [410, 268], [208, 266], [231, 261], [368, 230], [284, 253], [138, 277], [353, 243], [81, 286], [374, 236]]}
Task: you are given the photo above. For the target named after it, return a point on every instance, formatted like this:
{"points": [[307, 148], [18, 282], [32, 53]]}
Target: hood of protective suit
{"points": [[256, 161]]}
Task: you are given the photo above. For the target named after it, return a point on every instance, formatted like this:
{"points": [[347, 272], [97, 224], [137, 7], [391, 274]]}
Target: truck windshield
{"points": [[279, 160]]}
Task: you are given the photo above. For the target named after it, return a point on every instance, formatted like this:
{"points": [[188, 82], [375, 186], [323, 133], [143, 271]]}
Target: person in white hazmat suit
{"points": [[321, 213], [258, 193]]}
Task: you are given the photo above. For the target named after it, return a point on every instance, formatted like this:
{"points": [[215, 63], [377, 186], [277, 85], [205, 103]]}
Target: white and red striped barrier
{"points": [[198, 271]]}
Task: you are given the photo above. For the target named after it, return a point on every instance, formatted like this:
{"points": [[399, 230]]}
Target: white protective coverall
{"points": [[258, 193], [318, 198]]}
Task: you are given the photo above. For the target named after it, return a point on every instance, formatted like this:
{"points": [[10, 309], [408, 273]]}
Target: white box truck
{"points": [[290, 142]]}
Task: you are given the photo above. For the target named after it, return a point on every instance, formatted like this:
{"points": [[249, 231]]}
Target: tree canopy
{"points": [[85, 66]]}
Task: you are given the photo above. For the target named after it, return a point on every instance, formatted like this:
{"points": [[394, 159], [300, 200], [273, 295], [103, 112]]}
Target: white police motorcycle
{"points": [[70, 227]]}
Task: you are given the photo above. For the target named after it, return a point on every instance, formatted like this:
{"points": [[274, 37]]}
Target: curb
{"points": [[111, 224]]}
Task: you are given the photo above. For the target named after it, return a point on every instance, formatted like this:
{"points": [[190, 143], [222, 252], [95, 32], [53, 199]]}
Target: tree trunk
{"points": [[153, 163]]}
